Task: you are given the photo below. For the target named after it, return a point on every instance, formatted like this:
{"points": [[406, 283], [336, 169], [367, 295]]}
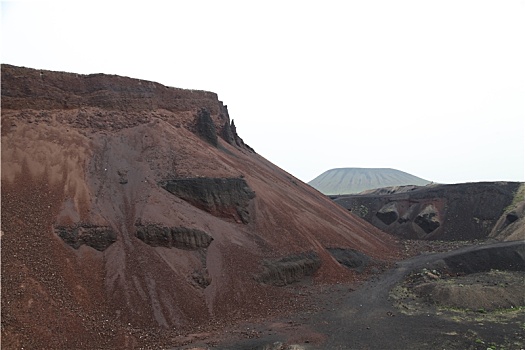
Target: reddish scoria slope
{"points": [[132, 210]]}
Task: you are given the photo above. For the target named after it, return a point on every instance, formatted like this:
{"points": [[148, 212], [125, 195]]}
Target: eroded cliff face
{"points": [[132, 212], [443, 212]]}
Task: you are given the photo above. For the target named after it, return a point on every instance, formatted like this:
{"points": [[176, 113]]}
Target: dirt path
{"points": [[367, 319]]}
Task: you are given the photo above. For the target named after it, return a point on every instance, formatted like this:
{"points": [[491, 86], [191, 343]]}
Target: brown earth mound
{"points": [[485, 279], [482, 291], [474, 306], [100, 251]]}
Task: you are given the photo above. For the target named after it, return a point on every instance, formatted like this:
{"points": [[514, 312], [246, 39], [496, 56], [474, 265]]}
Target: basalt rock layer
{"points": [[443, 212], [178, 237], [227, 197], [97, 237], [133, 212]]}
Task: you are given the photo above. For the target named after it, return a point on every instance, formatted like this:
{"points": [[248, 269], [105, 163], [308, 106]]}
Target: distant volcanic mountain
{"points": [[133, 212], [355, 180]]}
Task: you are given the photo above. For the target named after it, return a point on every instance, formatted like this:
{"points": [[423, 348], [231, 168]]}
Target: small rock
{"points": [[432, 276]]}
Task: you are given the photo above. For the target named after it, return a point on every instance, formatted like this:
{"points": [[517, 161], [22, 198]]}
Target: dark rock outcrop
{"points": [[184, 238], [388, 213], [176, 237], [222, 197], [49, 90], [511, 217], [97, 237], [350, 258], [229, 134], [507, 258], [201, 278], [205, 127], [428, 219], [289, 269], [442, 212]]}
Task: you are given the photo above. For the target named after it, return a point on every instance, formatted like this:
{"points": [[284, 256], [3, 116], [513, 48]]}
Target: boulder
{"points": [[428, 219], [388, 213]]}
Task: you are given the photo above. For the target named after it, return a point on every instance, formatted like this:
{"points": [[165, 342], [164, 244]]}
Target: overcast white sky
{"points": [[433, 88]]}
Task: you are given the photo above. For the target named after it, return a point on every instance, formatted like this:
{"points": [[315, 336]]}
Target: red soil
{"points": [[65, 140]]}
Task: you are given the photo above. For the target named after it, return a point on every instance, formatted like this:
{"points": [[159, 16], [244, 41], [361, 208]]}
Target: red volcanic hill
{"points": [[132, 210]]}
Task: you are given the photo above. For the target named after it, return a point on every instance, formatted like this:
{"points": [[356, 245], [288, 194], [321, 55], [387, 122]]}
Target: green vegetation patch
{"points": [[519, 196]]}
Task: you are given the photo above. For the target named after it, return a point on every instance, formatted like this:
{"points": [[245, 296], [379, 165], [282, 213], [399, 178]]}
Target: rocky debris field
{"points": [[418, 304]]}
